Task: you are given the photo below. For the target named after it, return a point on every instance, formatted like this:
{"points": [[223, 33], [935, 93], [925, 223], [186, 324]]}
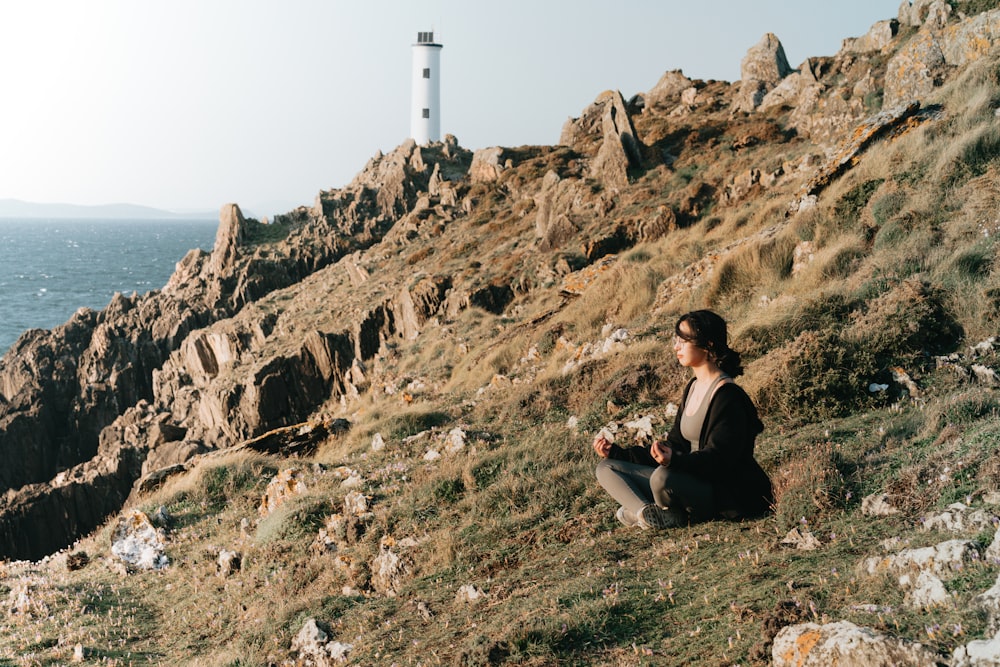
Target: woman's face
{"points": [[688, 354]]}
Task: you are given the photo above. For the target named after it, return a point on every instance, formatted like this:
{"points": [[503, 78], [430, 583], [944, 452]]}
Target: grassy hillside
{"points": [[484, 538]]}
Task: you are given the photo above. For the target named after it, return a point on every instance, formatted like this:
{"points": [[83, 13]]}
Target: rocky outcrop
{"points": [[846, 645], [606, 132], [70, 428], [878, 37], [924, 12], [667, 91], [762, 68], [487, 165], [922, 63]]}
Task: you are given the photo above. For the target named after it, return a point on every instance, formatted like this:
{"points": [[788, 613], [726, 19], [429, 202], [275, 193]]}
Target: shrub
{"points": [[906, 324], [816, 376], [808, 487], [850, 204], [887, 206]]}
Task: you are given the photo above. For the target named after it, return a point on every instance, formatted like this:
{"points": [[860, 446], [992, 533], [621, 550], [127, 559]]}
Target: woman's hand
{"points": [[602, 446], [660, 452]]}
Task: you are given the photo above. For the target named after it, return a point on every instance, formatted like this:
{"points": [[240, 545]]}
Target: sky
{"points": [[191, 104]]}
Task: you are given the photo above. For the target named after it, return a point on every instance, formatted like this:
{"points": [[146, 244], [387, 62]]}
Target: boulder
{"points": [[667, 91], [846, 645], [312, 646], [605, 131], [286, 484], [878, 37], [138, 543], [761, 69], [978, 653], [919, 13], [988, 602], [487, 165]]}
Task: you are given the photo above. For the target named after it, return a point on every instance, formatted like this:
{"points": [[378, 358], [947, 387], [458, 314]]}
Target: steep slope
{"points": [[425, 355]]}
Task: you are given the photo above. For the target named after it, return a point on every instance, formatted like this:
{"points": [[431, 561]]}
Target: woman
{"points": [[705, 468]]}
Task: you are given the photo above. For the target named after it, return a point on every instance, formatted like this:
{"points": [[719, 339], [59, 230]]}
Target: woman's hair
{"points": [[708, 331]]}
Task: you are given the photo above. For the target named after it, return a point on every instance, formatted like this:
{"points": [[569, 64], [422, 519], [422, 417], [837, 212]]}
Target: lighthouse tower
{"points": [[425, 107]]}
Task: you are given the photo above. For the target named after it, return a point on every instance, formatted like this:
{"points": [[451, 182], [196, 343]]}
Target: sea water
{"points": [[50, 268]]}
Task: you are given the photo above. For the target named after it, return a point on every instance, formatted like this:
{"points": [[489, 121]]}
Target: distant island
{"points": [[15, 208]]}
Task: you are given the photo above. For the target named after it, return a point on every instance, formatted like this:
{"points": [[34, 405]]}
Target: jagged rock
{"points": [[761, 69], [978, 653], [924, 590], [668, 89], [469, 594], [286, 484], [801, 540], [388, 569], [924, 12], [912, 72], [846, 645], [989, 603], [557, 203], [228, 239], [878, 37], [605, 131], [920, 64], [454, 442], [313, 647], [885, 123], [139, 544], [878, 504], [947, 556], [487, 165], [355, 503], [620, 147], [959, 518], [172, 453], [228, 563]]}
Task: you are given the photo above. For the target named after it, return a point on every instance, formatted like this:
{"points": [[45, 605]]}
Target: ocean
{"points": [[50, 268]]}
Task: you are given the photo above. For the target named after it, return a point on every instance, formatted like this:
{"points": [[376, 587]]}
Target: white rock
{"points": [[944, 557], [387, 569], [138, 543], [312, 646], [801, 540], [469, 593], [455, 441], [355, 503], [959, 518], [378, 443], [989, 603], [286, 484], [432, 455], [643, 427], [845, 645], [985, 375], [228, 562], [925, 590], [877, 504], [978, 653]]}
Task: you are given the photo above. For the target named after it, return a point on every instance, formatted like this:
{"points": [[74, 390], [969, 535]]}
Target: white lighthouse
{"points": [[425, 107]]}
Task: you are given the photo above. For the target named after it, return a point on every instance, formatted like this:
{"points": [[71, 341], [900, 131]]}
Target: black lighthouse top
{"points": [[426, 39]]}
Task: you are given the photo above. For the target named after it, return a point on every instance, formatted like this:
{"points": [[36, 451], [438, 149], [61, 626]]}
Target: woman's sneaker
{"points": [[653, 516], [627, 517]]}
